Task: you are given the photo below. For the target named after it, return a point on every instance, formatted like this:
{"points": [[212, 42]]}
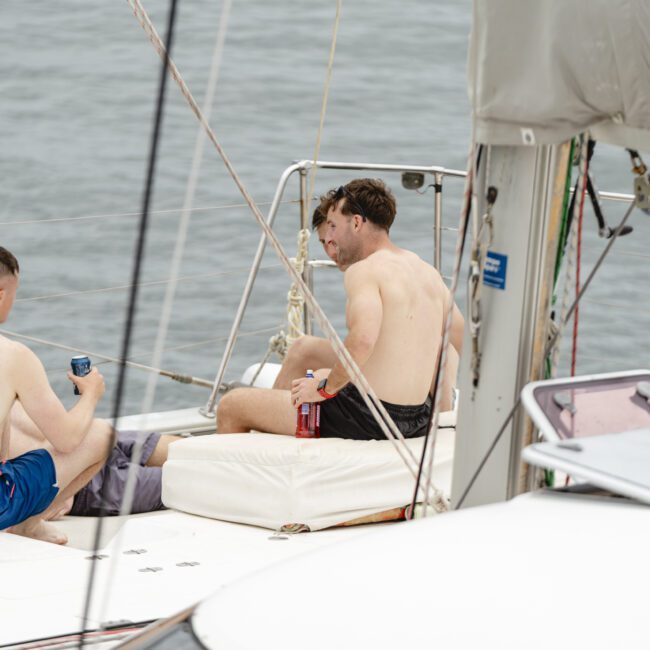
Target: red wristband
{"points": [[322, 392]]}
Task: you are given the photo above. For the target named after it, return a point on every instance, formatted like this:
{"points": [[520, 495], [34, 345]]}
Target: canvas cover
{"points": [[542, 71], [271, 481]]}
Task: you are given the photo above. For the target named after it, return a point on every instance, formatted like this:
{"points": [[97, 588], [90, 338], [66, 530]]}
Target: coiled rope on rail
{"points": [[281, 342], [296, 302], [385, 422]]}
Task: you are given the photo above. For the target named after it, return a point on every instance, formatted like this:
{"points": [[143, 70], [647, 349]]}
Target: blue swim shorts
{"points": [[27, 486]]}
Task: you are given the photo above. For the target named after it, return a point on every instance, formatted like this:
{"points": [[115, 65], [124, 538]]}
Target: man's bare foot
{"points": [[39, 529]]}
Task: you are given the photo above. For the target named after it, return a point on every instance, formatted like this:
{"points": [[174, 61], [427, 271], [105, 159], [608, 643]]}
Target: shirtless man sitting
{"points": [[396, 309], [35, 484], [316, 352]]}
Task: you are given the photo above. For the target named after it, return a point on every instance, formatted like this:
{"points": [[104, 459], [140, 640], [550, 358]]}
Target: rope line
{"points": [[117, 215], [432, 429], [617, 305], [323, 108], [487, 455], [166, 310], [121, 287], [179, 249], [549, 346], [295, 300], [130, 318], [558, 332], [597, 265], [375, 406], [582, 191], [107, 359]]}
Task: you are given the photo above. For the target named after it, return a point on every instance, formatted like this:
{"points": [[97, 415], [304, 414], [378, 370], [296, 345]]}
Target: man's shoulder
{"points": [[359, 276], [11, 350], [360, 269]]}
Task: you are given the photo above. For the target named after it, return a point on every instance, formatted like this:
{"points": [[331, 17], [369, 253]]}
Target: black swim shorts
{"points": [[347, 416]]}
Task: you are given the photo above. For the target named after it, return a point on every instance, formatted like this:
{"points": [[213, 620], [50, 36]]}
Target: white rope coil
{"points": [[296, 302]]}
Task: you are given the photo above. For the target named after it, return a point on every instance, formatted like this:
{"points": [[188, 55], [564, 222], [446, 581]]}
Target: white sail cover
{"points": [[542, 71]]}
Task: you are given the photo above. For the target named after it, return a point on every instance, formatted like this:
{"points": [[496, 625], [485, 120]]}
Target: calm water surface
{"points": [[77, 96]]}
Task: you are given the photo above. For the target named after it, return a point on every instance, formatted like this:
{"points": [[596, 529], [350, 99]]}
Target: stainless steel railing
{"points": [[302, 168]]}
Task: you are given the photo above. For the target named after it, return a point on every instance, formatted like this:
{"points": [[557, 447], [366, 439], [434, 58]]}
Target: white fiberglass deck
{"points": [[156, 564]]}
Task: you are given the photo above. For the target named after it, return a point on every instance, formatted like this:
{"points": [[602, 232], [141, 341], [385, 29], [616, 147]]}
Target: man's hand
{"points": [[92, 383], [305, 390]]}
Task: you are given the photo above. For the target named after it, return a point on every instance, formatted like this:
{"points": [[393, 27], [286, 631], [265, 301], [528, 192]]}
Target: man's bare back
{"points": [[76, 443], [412, 299], [395, 313]]}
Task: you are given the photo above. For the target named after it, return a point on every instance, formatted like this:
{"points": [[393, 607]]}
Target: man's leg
{"points": [[262, 409], [306, 352], [159, 454], [73, 471]]}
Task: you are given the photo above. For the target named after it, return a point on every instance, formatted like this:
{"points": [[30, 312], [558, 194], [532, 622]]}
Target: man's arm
{"points": [[364, 317], [64, 429], [457, 329]]}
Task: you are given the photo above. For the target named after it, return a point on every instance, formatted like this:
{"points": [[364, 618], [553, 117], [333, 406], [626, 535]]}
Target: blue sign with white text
{"points": [[494, 273]]}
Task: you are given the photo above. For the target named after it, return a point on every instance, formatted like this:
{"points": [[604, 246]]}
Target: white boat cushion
{"points": [[272, 480]]}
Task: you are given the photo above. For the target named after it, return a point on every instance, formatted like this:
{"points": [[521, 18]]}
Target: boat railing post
{"points": [[437, 223], [208, 409], [307, 274], [302, 167]]}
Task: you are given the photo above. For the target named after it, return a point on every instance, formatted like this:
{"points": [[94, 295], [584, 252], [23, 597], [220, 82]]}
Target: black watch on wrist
{"points": [[321, 389]]}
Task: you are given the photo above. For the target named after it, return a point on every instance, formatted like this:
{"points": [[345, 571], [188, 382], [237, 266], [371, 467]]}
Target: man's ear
{"points": [[357, 221]]}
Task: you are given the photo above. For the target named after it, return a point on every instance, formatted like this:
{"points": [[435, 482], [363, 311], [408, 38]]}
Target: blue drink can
{"points": [[80, 367]]}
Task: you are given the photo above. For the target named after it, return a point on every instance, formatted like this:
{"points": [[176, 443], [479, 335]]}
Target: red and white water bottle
{"points": [[308, 424]]}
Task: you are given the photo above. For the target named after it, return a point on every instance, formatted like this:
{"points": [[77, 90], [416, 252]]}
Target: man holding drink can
{"points": [[34, 485]]}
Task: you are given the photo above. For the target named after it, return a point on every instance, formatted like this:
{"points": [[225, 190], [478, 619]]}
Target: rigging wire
{"points": [[572, 237], [151, 283], [130, 318], [323, 108], [139, 366], [296, 302], [117, 215], [432, 428], [550, 362], [181, 237], [582, 191], [375, 406], [549, 346], [177, 258]]}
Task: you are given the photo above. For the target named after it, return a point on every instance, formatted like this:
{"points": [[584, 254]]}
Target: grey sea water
{"points": [[77, 96]]}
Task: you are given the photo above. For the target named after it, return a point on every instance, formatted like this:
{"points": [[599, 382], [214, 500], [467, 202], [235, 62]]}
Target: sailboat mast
{"points": [[511, 307]]}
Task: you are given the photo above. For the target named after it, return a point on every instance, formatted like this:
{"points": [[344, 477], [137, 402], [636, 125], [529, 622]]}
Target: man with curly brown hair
{"points": [[396, 309]]}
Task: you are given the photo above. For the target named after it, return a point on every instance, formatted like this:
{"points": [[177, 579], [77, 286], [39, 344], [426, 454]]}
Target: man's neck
{"points": [[379, 242]]}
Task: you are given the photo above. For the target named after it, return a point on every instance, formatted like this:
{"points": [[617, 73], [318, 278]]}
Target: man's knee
{"points": [[304, 350], [100, 435], [231, 408]]}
